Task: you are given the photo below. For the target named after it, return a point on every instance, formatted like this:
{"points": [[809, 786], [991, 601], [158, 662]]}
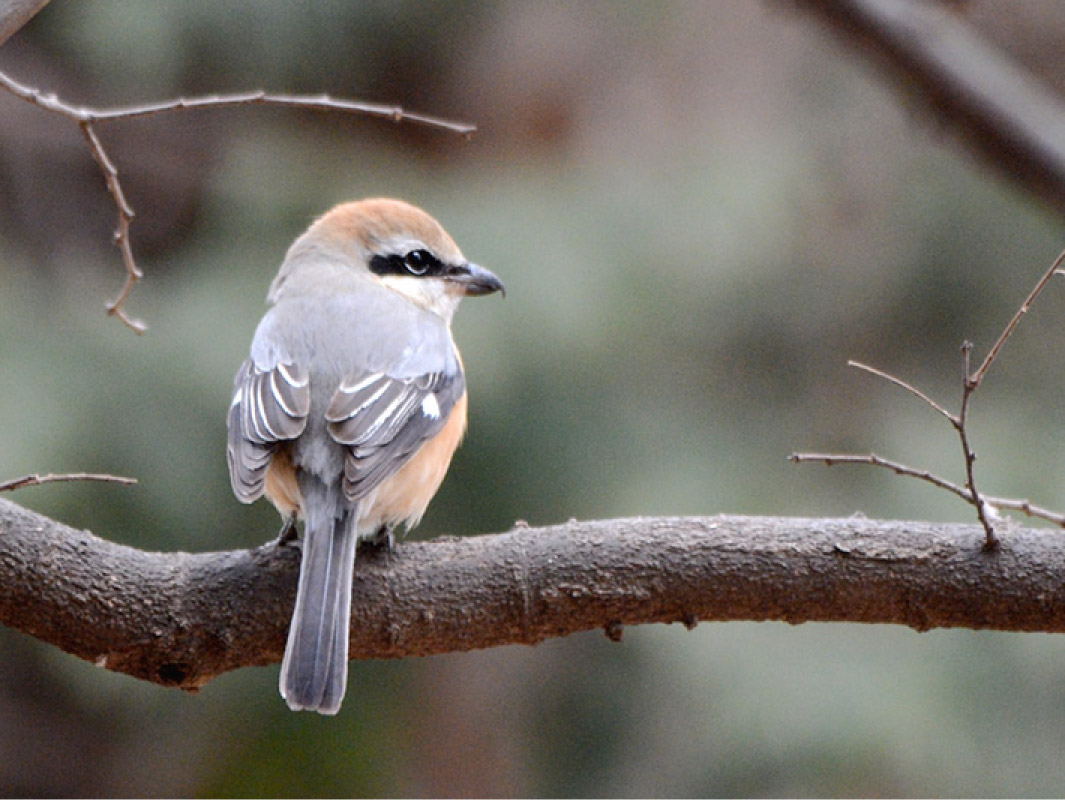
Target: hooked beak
{"points": [[475, 280]]}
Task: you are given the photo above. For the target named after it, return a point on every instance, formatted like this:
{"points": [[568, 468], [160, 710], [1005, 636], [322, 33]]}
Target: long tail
{"points": [[314, 671]]}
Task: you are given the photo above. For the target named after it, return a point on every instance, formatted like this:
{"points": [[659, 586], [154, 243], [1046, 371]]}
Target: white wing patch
{"points": [[431, 406]]}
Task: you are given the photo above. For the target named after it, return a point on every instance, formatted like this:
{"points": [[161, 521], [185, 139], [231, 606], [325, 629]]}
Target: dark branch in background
{"points": [[88, 118], [1001, 112], [985, 506], [16, 13], [181, 619]]}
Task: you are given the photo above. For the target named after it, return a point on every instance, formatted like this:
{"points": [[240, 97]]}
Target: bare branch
{"points": [[125, 217], [970, 383], [14, 14], [872, 459], [969, 455], [970, 494], [998, 110], [37, 480], [318, 102], [87, 119], [904, 385], [1027, 508], [181, 619], [1055, 269]]}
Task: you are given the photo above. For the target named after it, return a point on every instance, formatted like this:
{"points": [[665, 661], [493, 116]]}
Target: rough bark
{"points": [[998, 110], [181, 619]]}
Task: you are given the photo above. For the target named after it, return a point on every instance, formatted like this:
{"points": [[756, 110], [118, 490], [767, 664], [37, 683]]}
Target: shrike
{"points": [[350, 407]]}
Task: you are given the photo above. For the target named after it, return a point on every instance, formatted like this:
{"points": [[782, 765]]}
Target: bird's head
{"points": [[400, 247]]}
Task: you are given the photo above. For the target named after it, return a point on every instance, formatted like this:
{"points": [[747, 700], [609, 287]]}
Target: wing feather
{"points": [[383, 421], [269, 406]]}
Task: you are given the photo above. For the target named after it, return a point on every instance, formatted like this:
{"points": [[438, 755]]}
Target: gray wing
{"points": [[269, 406], [384, 420]]}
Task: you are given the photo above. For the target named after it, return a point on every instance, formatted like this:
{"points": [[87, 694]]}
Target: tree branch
{"points": [[985, 506], [36, 479], [1000, 111], [14, 14], [1015, 320], [88, 118], [181, 619]]}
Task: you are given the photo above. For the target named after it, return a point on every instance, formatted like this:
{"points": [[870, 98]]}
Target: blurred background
{"points": [[701, 211]]}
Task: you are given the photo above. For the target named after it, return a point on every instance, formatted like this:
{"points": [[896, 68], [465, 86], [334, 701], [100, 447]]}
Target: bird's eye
{"points": [[418, 262]]}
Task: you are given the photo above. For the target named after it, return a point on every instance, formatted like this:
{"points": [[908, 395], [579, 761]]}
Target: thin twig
{"points": [[903, 385], [1007, 503], [1027, 508], [87, 118], [968, 387], [970, 383], [37, 480], [125, 217], [830, 459], [318, 102], [958, 421], [1055, 269]]}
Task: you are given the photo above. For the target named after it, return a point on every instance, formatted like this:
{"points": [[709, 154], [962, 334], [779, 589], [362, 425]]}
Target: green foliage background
{"points": [[701, 211]]}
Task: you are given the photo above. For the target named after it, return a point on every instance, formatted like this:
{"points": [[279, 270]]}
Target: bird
{"points": [[349, 408]]}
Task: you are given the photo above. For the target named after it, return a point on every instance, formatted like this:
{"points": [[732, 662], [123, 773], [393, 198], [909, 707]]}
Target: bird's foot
{"points": [[288, 534], [383, 540]]}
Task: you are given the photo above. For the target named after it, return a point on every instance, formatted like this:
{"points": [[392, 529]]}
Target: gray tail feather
{"points": [[314, 671]]}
